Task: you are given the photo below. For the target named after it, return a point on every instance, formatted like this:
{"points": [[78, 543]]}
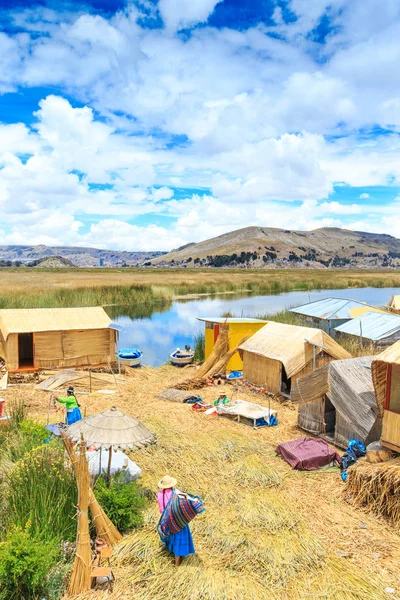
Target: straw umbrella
{"points": [[111, 429]]}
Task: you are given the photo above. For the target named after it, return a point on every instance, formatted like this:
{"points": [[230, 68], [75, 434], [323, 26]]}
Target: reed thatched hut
{"points": [[279, 354], [38, 338], [386, 379], [337, 402], [394, 305]]}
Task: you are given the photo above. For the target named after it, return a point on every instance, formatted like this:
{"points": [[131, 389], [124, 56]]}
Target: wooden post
{"points": [[109, 466]]}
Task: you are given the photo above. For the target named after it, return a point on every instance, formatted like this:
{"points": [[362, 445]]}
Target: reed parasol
{"points": [[111, 429]]}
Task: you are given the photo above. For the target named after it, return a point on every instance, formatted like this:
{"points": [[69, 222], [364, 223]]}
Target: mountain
{"points": [[81, 257], [283, 248]]}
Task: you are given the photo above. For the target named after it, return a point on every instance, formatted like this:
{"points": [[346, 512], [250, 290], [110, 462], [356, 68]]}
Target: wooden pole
{"points": [[109, 466]]}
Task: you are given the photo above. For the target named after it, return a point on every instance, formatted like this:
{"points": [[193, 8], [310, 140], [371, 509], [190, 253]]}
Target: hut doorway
{"points": [[25, 350], [286, 382], [329, 418]]}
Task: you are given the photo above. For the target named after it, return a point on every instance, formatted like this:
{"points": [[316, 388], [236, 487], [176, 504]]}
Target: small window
{"points": [[394, 390], [209, 325]]}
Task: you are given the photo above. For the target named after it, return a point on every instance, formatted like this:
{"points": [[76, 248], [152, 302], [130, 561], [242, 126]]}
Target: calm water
{"points": [[159, 334]]}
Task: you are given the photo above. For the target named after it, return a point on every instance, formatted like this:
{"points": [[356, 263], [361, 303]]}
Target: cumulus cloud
{"points": [[177, 14], [249, 119]]}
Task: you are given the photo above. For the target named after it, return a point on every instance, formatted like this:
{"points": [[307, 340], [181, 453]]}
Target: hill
{"points": [[268, 247], [52, 262], [79, 256]]}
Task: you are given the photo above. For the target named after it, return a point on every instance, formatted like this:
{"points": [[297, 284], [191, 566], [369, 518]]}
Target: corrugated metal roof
{"points": [[30, 320], [335, 308], [230, 320], [292, 345], [373, 326]]}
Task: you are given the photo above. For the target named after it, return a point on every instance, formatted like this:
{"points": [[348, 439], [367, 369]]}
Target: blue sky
{"points": [[149, 124]]}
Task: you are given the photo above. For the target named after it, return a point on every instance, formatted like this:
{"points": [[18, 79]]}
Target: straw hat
{"points": [[167, 482]]}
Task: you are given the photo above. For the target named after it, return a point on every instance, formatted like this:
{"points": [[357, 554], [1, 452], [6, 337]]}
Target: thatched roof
{"points": [[292, 345], [348, 384], [395, 302], [390, 356], [111, 428], [30, 320]]}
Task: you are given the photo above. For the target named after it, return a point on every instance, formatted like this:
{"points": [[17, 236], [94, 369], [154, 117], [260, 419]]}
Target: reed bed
{"points": [[27, 288], [268, 532], [376, 487]]}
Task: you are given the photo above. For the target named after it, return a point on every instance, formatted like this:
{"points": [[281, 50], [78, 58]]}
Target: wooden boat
{"points": [[180, 358], [130, 357]]}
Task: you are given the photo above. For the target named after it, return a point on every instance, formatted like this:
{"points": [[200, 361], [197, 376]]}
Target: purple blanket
{"points": [[307, 454]]}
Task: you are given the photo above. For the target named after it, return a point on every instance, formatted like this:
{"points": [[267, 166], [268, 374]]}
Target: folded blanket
{"points": [[180, 510]]}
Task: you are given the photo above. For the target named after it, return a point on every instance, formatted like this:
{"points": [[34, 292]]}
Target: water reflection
{"points": [[157, 331]]}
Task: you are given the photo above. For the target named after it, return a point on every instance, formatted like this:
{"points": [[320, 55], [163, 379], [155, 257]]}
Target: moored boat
{"points": [[180, 358], [130, 357]]}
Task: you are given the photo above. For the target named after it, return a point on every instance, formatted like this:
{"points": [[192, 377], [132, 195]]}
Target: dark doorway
{"points": [[286, 382], [25, 350], [329, 418]]}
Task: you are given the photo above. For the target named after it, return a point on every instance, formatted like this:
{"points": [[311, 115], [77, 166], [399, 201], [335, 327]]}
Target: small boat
{"points": [[180, 358], [130, 357]]}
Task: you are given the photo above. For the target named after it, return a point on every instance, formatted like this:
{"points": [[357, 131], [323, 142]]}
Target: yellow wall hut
{"points": [[38, 338], [238, 329], [386, 378]]}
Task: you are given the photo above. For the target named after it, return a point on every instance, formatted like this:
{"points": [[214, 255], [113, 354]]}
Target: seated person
{"points": [[222, 400]]}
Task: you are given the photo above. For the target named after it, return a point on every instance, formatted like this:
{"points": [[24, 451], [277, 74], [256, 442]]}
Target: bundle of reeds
{"points": [[105, 528], [80, 576], [376, 487], [215, 363]]}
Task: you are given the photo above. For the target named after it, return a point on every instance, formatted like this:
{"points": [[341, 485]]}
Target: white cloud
{"points": [[262, 119], [177, 14]]}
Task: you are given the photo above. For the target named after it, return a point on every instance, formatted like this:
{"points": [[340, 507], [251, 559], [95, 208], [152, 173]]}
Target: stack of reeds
{"points": [[105, 529], [376, 487], [80, 576], [215, 363]]}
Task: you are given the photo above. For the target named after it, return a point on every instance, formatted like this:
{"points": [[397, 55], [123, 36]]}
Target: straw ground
{"points": [[268, 532]]}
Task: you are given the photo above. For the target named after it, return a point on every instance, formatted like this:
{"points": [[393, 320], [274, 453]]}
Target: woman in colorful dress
{"points": [[71, 406], [181, 543]]}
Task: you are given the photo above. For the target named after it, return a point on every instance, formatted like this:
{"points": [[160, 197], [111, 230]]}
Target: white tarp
{"points": [[119, 462]]}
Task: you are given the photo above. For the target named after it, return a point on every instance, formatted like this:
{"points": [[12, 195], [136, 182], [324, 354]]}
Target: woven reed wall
{"points": [[311, 417], [11, 351], [391, 429], [262, 371], [73, 348]]}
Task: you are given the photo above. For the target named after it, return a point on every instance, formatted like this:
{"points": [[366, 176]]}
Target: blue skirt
{"points": [[74, 416], [181, 543]]}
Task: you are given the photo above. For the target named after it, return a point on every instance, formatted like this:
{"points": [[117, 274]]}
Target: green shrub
{"points": [[122, 502], [57, 580], [24, 564], [42, 491]]}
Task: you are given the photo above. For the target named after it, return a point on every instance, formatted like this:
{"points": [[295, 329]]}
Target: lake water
{"points": [[158, 335]]}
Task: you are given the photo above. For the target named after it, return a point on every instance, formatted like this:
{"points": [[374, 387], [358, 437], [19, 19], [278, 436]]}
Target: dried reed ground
{"points": [[268, 532]]}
